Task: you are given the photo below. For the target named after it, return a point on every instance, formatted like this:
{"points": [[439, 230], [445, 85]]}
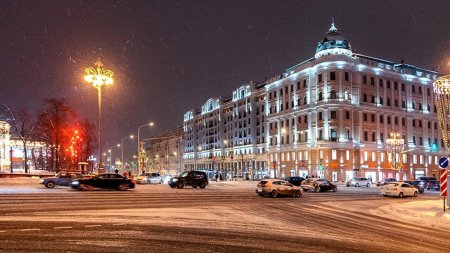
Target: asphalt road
{"points": [[224, 217]]}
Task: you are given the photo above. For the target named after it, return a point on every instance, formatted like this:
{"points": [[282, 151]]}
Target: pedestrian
{"points": [[247, 177], [116, 171], [129, 173], [221, 177], [217, 176], [125, 174]]}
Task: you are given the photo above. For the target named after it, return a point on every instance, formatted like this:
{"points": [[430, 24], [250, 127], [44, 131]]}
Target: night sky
{"points": [[171, 56]]}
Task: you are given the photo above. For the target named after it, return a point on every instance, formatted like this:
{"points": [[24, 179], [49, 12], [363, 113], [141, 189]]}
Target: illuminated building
{"points": [[328, 116], [228, 134], [164, 153]]}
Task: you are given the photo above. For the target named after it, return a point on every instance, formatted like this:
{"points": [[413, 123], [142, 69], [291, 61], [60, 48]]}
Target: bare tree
{"points": [[24, 127], [53, 120]]}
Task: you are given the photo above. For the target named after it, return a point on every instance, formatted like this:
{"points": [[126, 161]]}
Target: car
{"points": [[358, 181], [192, 178], [433, 185], [109, 181], [294, 180], [63, 178], [418, 184], [277, 187], [386, 181], [426, 179], [399, 189], [318, 184], [149, 178]]}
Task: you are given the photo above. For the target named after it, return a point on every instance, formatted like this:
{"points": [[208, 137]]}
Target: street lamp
{"points": [[131, 137], [99, 77], [140, 155], [396, 148]]}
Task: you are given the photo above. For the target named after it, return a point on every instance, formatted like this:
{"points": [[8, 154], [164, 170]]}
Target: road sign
{"points": [[443, 180], [443, 162]]}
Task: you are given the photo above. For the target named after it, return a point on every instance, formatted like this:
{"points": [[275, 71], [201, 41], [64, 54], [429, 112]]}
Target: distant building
{"points": [[228, 134], [328, 116], [12, 147], [164, 153]]}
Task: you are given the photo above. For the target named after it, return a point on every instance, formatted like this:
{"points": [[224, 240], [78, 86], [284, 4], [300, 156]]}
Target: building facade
{"points": [[164, 153], [329, 116], [228, 135]]}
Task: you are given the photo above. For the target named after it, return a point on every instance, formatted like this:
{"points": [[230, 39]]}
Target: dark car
{"points": [[433, 185], [386, 181], [192, 178], [109, 181], [295, 180], [418, 184], [62, 179], [426, 179], [318, 184]]}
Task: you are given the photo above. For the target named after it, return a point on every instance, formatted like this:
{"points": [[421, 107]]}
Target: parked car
{"points": [[63, 178], [192, 178], [433, 185], [149, 178], [426, 179], [418, 184], [295, 180], [386, 181], [358, 181], [104, 181], [399, 189], [318, 184], [276, 187]]}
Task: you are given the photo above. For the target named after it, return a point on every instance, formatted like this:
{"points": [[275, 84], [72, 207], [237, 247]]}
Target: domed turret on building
{"points": [[333, 44]]}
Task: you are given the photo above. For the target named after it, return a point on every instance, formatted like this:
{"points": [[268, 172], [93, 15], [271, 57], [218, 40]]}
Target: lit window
{"points": [[366, 156], [374, 156], [333, 154], [347, 155]]}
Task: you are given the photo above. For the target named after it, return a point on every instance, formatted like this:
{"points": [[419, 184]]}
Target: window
{"points": [[364, 79], [364, 98], [320, 115], [347, 114], [373, 137], [395, 120], [380, 83], [298, 85], [372, 116], [403, 87], [304, 83], [365, 116], [388, 102], [332, 75], [281, 92], [333, 94], [333, 115], [395, 86], [389, 120], [381, 119], [320, 96], [320, 78], [372, 99], [413, 89], [346, 76], [365, 136], [372, 80], [403, 121], [413, 105], [333, 136], [403, 104], [381, 137], [420, 107], [305, 100], [396, 103], [381, 100], [388, 84]]}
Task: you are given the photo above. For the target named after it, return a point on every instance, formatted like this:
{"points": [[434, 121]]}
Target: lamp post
{"points": [[121, 158], [140, 155], [99, 77], [396, 148]]}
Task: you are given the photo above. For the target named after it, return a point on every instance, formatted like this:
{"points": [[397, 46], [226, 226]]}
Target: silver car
{"points": [[359, 181], [149, 178]]}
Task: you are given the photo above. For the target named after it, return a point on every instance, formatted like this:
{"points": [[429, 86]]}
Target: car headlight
{"points": [[174, 179], [41, 181], [75, 183]]}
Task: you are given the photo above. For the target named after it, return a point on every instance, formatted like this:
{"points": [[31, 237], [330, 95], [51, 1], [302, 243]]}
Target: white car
{"points": [[149, 178], [399, 189]]}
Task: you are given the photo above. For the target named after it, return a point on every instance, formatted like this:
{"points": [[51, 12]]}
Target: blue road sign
{"points": [[443, 162]]}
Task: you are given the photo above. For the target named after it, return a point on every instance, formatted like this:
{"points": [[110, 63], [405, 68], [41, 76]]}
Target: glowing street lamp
{"points": [[99, 77], [140, 152], [131, 137]]}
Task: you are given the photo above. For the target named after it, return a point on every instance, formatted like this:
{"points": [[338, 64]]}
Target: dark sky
{"points": [[170, 56]]}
